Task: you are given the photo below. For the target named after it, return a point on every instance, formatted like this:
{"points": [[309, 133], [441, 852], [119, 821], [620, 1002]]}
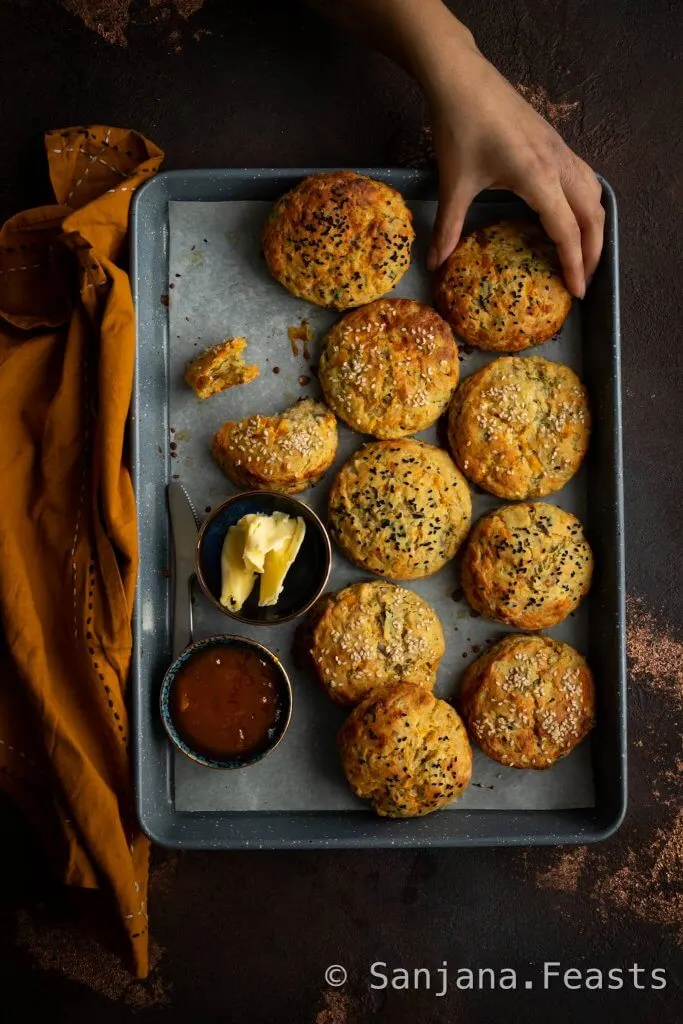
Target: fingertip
{"points": [[449, 224], [434, 260], [574, 280], [440, 249]]}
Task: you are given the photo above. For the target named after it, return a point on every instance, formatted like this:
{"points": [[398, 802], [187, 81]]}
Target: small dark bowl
{"points": [[306, 578], [284, 699]]}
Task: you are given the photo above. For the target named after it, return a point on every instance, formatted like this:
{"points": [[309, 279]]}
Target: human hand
{"points": [[487, 136]]}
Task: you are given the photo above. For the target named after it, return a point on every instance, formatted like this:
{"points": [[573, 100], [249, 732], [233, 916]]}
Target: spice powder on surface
{"points": [[649, 881]]}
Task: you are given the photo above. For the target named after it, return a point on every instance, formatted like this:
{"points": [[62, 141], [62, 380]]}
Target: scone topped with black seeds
{"points": [[339, 239], [405, 751], [400, 509], [527, 565], [501, 289], [528, 701]]}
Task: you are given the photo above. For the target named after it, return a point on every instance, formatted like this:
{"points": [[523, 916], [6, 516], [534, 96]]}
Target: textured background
{"points": [[246, 937]]}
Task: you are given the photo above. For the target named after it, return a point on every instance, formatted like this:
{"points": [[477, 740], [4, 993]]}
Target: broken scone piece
{"points": [[219, 368], [285, 453], [259, 545]]}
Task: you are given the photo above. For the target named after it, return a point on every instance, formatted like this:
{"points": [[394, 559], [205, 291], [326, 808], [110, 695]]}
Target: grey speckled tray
{"points": [[206, 252]]}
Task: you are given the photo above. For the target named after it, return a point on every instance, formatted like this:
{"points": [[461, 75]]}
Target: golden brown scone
{"points": [[219, 368], [285, 453], [389, 369], [528, 701], [372, 633], [501, 289], [527, 565], [399, 509], [406, 751], [519, 428], [339, 239]]}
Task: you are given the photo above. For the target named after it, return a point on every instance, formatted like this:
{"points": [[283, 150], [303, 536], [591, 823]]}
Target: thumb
{"points": [[453, 206]]}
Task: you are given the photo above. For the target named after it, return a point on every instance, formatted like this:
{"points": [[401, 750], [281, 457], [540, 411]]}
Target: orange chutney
{"points": [[224, 701]]}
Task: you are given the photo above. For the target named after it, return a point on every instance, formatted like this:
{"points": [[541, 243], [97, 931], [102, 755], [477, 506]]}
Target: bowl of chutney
{"points": [[226, 702]]}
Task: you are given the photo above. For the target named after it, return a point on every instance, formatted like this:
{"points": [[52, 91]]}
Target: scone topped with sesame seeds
{"points": [[400, 509], [527, 565], [519, 428], [369, 634], [339, 239], [405, 751], [389, 369], [501, 289], [285, 453], [528, 701]]}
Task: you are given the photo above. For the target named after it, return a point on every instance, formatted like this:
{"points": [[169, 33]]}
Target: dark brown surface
{"points": [[246, 937]]}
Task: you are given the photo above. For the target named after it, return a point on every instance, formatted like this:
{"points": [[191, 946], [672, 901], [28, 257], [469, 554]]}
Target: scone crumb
{"points": [[302, 333]]}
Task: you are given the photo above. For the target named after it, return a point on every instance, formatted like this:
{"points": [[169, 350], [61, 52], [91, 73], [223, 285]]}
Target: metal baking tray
{"points": [[173, 822]]}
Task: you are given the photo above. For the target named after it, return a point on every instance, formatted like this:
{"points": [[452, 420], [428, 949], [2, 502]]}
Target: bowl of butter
{"points": [[263, 557]]}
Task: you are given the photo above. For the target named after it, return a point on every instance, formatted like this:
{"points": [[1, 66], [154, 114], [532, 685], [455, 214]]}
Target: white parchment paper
{"points": [[218, 288]]}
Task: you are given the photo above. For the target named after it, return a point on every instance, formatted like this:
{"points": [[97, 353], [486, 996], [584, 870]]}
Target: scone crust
{"points": [[339, 239], [527, 565], [219, 368], [285, 453], [520, 428], [390, 368], [501, 289], [372, 633], [405, 751], [528, 701], [400, 509]]}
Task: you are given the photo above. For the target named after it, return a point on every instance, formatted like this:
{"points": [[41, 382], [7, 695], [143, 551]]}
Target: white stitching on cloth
{"points": [[92, 157], [29, 266], [96, 156], [81, 495], [22, 754]]}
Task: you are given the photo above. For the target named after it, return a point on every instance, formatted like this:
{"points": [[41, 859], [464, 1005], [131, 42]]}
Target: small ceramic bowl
{"points": [[307, 576], [284, 689]]}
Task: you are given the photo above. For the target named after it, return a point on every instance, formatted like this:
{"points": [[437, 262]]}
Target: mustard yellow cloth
{"points": [[68, 546]]}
